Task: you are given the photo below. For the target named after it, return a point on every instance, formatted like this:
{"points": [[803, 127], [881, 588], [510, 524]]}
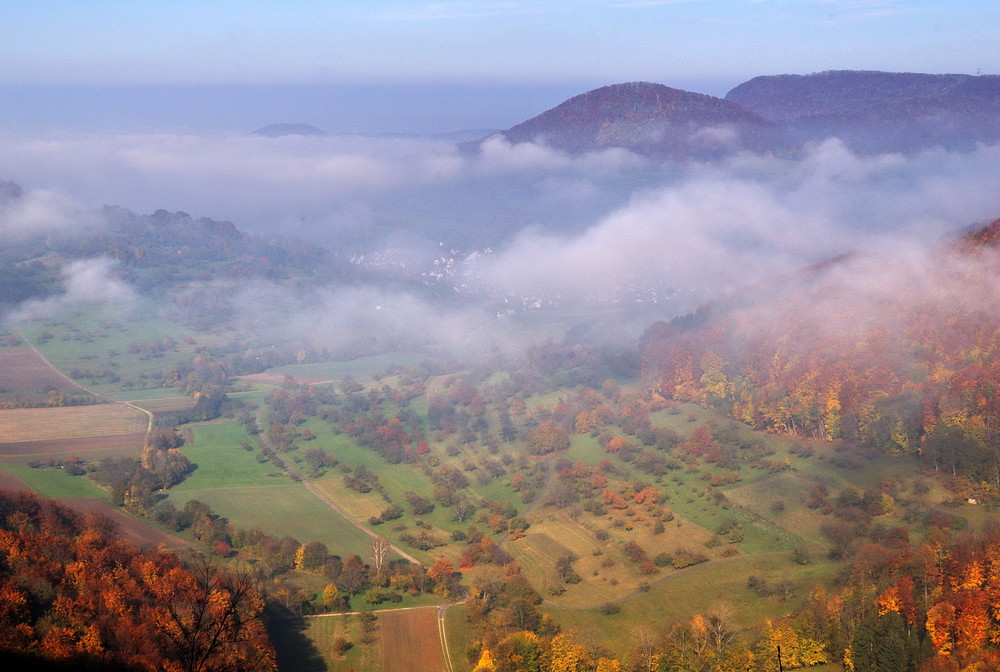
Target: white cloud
{"points": [[43, 212], [86, 281]]}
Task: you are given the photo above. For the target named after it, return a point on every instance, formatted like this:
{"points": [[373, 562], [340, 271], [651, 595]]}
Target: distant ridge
{"points": [[651, 119], [783, 98], [280, 130], [879, 111], [870, 111]]}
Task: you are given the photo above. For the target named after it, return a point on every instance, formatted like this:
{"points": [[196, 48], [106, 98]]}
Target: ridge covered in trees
{"points": [[902, 357], [871, 111]]}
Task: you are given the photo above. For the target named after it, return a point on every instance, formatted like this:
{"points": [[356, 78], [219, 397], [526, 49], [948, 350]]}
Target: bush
{"points": [[663, 559], [341, 646], [758, 585]]}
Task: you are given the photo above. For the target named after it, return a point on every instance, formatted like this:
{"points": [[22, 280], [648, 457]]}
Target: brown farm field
{"points": [[137, 531], [409, 642], [25, 375], [20, 425], [92, 446], [12, 482]]}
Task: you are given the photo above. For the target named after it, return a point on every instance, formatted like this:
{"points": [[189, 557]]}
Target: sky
{"points": [[486, 62]]}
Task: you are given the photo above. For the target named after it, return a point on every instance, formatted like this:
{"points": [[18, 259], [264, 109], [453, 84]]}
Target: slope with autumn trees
{"points": [[75, 595], [898, 353]]}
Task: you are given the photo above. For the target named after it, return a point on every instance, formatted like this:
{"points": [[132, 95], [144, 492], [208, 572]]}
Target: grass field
{"points": [[88, 339], [356, 368], [222, 462], [698, 589], [606, 572], [39, 424], [162, 405], [55, 483], [282, 510], [460, 637]]}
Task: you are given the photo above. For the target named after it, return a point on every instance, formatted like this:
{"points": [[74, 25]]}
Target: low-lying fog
{"points": [[572, 228]]}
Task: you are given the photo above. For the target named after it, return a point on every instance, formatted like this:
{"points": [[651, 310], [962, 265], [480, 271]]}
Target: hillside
{"points": [[899, 354], [75, 595], [871, 111], [879, 111], [281, 130], [650, 119]]}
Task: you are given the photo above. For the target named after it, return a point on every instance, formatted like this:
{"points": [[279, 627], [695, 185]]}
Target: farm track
{"points": [[150, 418]]}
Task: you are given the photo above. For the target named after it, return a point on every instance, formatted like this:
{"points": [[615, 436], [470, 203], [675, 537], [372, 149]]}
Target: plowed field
{"points": [[409, 641], [24, 375], [72, 422], [138, 532]]}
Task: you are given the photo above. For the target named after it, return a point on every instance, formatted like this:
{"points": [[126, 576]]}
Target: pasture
{"points": [[606, 573], [220, 460], [107, 353], [356, 368], [55, 482], [698, 590], [281, 510]]}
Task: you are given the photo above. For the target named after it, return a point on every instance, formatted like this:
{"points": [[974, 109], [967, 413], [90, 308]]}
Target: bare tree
{"points": [[719, 627], [380, 548], [645, 652]]}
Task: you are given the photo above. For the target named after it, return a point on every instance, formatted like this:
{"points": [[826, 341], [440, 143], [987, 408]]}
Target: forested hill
{"points": [[650, 119], [870, 111], [202, 246], [157, 252], [901, 355], [879, 111]]}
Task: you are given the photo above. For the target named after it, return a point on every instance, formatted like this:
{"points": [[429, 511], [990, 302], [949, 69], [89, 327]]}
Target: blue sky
{"points": [[477, 53], [718, 42]]}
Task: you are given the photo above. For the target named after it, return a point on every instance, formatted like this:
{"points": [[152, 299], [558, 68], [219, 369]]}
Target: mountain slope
{"points": [[650, 119], [281, 130], [900, 353], [879, 111]]}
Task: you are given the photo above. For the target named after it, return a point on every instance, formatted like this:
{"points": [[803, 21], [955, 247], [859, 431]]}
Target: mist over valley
{"points": [[641, 378]]}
